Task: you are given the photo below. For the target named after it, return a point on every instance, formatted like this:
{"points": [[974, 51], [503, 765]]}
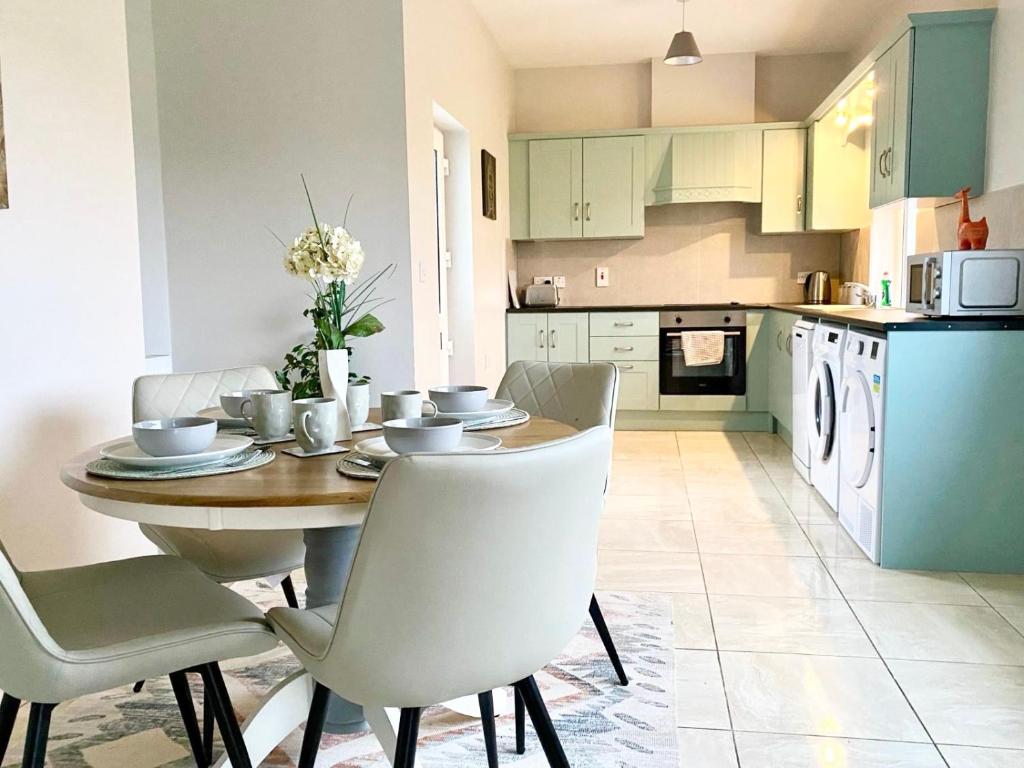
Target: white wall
{"points": [[719, 90], [69, 271], [583, 98], [789, 88], [252, 93], [452, 61], [1006, 98]]}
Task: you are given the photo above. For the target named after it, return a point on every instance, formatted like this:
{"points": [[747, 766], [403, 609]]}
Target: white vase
{"points": [[358, 401], [334, 382]]}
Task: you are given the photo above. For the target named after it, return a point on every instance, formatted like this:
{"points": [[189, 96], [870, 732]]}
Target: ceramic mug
{"points": [[404, 404], [358, 401], [316, 423], [269, 413]]}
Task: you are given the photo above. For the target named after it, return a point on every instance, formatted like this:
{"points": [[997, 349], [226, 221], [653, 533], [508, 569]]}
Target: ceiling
{"points": [[552, 33]]}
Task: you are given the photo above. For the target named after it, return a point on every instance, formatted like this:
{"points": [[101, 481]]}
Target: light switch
{"points": [[601, 275]]}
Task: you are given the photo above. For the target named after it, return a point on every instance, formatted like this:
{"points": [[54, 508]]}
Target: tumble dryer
{"points": [[860, 439], [822, 411]]}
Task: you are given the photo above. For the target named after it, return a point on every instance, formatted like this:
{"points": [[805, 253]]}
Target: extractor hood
{"points": [[707, 166]]}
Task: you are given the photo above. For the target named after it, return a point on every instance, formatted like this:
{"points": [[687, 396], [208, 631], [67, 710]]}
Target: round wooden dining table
{"points": [[289, 493]]}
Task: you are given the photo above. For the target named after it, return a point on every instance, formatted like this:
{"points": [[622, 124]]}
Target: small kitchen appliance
{"points": [[818, 288], [856, 294], [966, 283], [545, 295], [822, 409], [729, 377]]}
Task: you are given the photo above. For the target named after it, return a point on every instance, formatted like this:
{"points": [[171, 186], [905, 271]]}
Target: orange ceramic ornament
{"points": [[970, 235]]}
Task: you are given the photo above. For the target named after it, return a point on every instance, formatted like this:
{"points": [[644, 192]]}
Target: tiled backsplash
{"points": [[691, 253], [1003, 208]]}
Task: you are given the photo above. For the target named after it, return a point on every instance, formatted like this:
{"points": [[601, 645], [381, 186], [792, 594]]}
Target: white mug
{"points": [[403, 404], [269, 413], [316, 423]]}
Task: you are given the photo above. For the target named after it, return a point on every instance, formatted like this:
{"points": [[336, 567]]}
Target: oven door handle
{"points": [[677, 334]]}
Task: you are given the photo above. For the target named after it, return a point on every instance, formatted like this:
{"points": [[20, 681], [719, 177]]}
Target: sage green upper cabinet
{"points": [[556, 188], [706, 166], [931, 108], [613, 201], [783, 180], [837, 179], [572, 188]]}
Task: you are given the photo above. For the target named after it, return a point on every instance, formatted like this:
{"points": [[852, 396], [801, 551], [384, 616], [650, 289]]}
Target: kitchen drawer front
{"points": [[703, 403], [624, 324], [638, 386], [624, 348]]}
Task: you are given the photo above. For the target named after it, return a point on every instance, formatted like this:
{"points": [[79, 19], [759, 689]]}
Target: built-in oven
{"points": [[729, 377]]}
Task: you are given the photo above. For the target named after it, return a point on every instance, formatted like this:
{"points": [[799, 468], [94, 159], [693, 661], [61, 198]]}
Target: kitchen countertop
{"points": [[890, 320], [637, 308]]}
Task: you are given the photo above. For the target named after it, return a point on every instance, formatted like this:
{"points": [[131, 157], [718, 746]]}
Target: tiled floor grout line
{"points": [[714, 636], [989, 604], [885, 663]]}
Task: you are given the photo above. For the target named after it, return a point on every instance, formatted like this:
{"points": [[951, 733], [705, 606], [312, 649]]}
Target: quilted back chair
{"points": [[223, 555], [582, 395]]}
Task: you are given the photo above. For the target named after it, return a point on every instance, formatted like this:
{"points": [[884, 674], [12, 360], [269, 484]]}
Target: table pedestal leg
{"points": [[329, 555]]}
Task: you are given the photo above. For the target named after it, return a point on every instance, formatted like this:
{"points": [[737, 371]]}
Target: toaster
{"points": [[542, 295]]}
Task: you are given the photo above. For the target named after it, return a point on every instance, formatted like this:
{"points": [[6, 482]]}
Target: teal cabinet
{"points": [[758, 334], [931, 108], [575, 188], [780, 369], [556, 337]]}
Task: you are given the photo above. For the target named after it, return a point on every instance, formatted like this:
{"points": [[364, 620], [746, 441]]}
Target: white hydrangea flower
{"points": [[339, 257]]}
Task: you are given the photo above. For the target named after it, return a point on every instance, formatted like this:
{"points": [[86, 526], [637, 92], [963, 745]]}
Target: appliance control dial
{"points": [[728, 319], [679, 320]]}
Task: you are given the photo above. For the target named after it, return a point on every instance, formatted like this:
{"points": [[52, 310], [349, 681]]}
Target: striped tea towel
{"points": [[703, 347]]}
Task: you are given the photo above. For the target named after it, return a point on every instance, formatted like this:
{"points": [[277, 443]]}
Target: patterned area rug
{"points": [[601, 724]]}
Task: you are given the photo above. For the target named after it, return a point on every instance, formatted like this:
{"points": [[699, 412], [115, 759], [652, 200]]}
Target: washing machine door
{"points": [[821, 410], [857, 429]]}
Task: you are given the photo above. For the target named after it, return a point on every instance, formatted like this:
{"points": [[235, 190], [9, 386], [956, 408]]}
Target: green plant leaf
{"points": [[367, 325]]}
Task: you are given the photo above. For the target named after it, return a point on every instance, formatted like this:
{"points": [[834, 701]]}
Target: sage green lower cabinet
{"points": [[638, 385], [757, 360], [556, 337], [780, 370], [630, 340]]}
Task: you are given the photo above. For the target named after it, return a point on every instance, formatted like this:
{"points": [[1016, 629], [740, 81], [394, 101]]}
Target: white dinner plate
{"points": [[376, 448], [126, 452], [492, 408], [223, 420]]}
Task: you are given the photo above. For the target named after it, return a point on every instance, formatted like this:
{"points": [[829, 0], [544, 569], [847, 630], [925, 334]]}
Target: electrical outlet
{"points": [[801, 277], [559, 281], [542, 280], [601, 277]]}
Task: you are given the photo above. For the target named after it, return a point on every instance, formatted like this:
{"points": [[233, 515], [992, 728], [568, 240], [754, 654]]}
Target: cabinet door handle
{"points": [[624, 366], [627, 324], [552, 335], [778, 341], [888, 163], [541, 345], [587, 214], [799, 203], [789, 344], [575, 211], [881, 163], [623, 349]]}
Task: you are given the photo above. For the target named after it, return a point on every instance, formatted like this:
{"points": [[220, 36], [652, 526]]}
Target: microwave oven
{"points": [[966, 283]]}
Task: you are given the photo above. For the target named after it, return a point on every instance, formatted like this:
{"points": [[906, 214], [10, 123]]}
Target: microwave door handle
{"points": [[928, 289]]}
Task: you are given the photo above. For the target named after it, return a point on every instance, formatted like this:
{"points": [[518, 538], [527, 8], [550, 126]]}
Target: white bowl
{"points": [[231, 402], [182, 436], [459, 398], [432, 434]]}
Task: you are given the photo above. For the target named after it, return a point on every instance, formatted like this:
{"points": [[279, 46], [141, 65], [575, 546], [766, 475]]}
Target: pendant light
{"points": [[683, 49]]}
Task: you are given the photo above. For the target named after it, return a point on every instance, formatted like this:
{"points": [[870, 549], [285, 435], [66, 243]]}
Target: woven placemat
{"points": [[250, 458], [506, 419], [349, 468]]}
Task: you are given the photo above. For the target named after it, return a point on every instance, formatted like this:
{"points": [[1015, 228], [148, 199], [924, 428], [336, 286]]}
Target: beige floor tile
{"points": [[648, 446], [691, 618], [998, 588], [832, 540], [769, 576], [982, 757], [700, 699], [971, 704], [647, 479], [702, 748], [773, 750], [863, 580], [648, 535], [740, 510], [810, 509], [649, 571], [966, 633], [752, 539], [146, 749], [1013, 614], [725, 487], [788, 625], [646, 508], [817, 696]]}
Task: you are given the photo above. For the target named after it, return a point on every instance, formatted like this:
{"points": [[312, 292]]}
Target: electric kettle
{"points": [[818, 288]]}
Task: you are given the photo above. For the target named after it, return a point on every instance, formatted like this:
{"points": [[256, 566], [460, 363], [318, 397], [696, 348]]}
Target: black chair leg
{"points": [[408, 732], [486, 701], [37, 735], [314, 726], [8, 715], [208, 721], [183, 694], [217, 695], [606, 638], [542, 723], [288, 587], [520, 723], [138, 686]]}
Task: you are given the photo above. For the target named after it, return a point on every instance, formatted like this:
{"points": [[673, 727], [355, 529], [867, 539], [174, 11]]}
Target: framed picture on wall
{"points": [[4, 200], [489, 177]]}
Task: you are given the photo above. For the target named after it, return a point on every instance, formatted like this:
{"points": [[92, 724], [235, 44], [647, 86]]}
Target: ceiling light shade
{"points": [[683, 50]]}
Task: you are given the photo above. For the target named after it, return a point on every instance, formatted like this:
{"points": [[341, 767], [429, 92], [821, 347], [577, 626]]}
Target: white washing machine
{"points": [[822, 398], [803, 333], [860, 438]]}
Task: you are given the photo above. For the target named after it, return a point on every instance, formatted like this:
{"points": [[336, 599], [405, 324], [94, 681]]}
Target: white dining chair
{"points": [[226, 556], [473, 572], [77, 631]]}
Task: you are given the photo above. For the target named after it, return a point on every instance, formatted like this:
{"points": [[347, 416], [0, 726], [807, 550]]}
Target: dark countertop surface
{"points": [[882, 320]]}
